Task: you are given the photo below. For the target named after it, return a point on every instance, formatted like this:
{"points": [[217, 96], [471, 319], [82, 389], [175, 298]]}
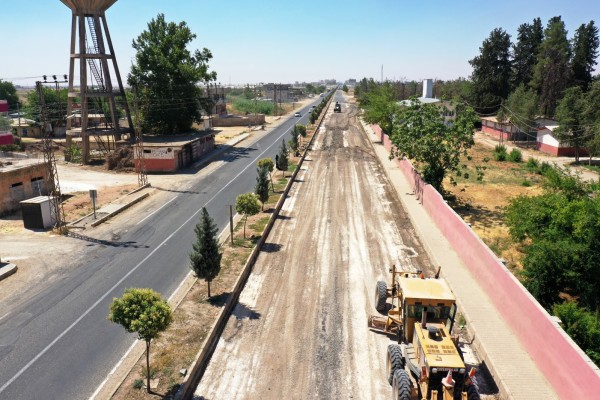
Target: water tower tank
{"points": [[89, 6], [100, 89]]}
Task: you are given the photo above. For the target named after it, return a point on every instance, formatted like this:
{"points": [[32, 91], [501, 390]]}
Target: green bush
{"points": [[10, 147], [73, 154], [545, 167], [500, 156], [526, 183], [138, 384], [582, 325], [515, 155], [500, 153], [532, 164]]}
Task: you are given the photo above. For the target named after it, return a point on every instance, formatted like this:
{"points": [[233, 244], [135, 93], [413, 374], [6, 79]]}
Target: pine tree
{"points": [[585, 51], [591, 117], [281, 160], [262, 185], [492, 71], [569, 114], [294, 142], [206, 257], [522, 103], [552, 73], [525, 52]]}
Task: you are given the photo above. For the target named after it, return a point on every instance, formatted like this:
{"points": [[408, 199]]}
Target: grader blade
{"points": [[378, 323]]}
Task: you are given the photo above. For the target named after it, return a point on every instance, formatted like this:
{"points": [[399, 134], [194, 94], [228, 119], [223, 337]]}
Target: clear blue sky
{"points": [[281, 41]]}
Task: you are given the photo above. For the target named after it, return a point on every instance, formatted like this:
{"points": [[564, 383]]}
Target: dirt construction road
{"points": [[300, 330]]}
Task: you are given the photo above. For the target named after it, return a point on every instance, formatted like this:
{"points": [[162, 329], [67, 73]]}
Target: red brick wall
{"points": [[6, 138], [495, 132], [559, 151], [159, 165]]}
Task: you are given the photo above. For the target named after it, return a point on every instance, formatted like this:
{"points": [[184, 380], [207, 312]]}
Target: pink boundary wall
{"points": [[558, 358]]}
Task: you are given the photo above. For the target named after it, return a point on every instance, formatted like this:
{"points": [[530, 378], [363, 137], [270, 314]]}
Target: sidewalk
{"points": [[513, 370]]}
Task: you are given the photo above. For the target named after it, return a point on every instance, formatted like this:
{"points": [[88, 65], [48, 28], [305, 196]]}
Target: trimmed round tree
{"points": [[269, 164], [247, 204], [301, 129], [205, 259], [144, 312]]}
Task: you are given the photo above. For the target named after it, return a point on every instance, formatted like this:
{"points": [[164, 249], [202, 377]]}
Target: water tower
{"points": [[100, 101]]}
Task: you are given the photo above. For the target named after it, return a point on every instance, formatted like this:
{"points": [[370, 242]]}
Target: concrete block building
{"points": [[20, 179]]}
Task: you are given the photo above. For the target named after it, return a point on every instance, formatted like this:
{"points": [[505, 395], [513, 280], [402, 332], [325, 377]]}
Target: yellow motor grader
{"points": [[427, 362]]}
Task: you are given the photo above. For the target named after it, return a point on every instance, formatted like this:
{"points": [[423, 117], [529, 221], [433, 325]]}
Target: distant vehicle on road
{"points": [[297, 114], [337, 108]]}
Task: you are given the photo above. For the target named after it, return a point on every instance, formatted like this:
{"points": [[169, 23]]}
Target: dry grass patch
{"points": [[481, 203]]}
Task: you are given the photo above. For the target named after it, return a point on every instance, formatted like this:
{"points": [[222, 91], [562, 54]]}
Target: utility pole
{"points": [[139, 142], [275, 98], [255, 105], [57, 214]]}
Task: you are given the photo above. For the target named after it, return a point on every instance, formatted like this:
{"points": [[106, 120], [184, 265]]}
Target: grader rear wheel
{"points": [[401, 385], [380, 295], [394, 361], [472, 393]]}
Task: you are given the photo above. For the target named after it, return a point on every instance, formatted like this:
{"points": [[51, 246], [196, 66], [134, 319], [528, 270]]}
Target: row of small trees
{"points": [[144, 311], [314, 114]]}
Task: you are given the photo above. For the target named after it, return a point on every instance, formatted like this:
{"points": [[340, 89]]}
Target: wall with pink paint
{"points": [[556, 356]]}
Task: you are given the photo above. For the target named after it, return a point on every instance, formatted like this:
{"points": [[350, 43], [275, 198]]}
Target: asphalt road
{"points": [[56, 343]]}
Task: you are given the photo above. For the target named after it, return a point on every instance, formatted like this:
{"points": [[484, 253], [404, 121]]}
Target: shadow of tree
{"points": [[176, 191], [484, 216], [219, 300], [103, 242], [242, 311], [271, 247]]}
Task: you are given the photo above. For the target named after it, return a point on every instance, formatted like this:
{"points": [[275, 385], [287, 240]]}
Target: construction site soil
{"points": [[300, 329]]}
